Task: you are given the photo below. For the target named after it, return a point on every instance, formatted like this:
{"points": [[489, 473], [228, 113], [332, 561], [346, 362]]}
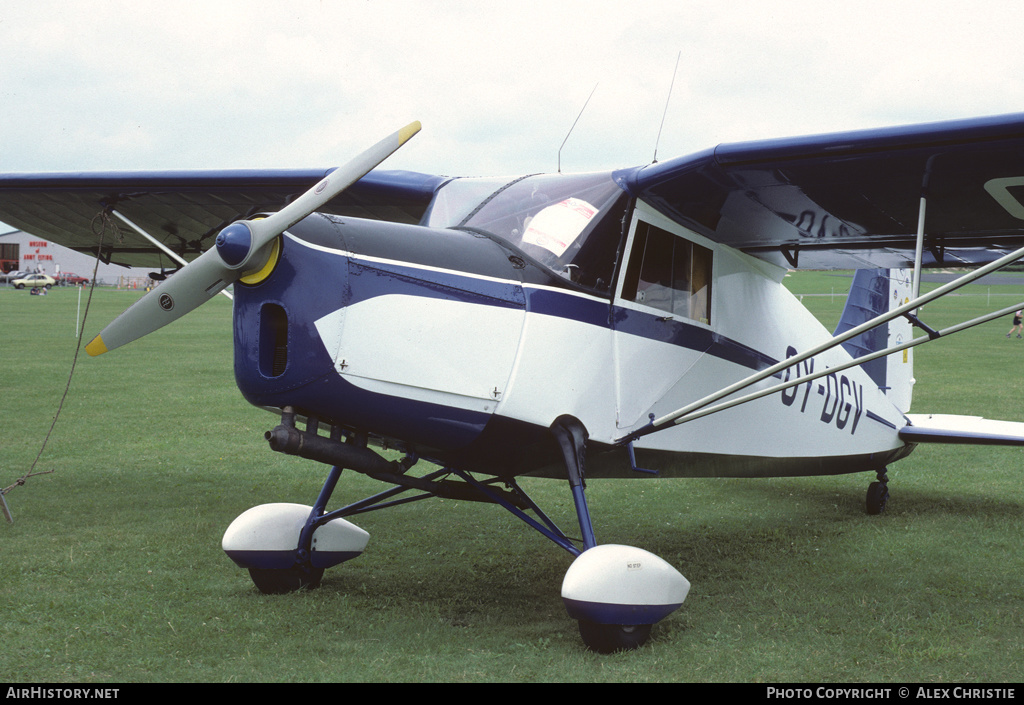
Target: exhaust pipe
{"points": [[286, 438]]}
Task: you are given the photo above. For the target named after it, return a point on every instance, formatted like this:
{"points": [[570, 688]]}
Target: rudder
{"points": [[873, 293]]}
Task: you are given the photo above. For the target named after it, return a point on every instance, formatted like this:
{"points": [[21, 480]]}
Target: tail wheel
{"points": [[878, 497]]}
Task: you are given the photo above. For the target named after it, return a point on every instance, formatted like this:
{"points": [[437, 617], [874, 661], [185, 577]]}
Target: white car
{"points": [[34, 280], [11, 276]]}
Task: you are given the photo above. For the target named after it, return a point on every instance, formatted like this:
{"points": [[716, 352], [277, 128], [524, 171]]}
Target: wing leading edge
{"points": [[844, 200], [186, 209], [852, 200]]}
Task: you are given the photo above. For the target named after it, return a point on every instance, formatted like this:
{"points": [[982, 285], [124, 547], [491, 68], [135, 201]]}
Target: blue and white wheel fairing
{"points": [[612, 589], [267, 538]]}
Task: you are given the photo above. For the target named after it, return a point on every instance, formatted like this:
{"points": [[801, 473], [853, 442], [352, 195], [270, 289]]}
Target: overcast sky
{"points": [[133, 84]]}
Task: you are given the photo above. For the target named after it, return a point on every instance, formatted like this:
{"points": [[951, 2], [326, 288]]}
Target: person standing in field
{"points": [[1018, 326]]}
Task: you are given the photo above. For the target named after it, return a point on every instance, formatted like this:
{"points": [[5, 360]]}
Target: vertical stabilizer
{"points": [[873, 293]]}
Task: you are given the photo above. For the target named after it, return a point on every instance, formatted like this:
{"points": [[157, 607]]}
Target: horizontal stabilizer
{"points": [[969, 430]]}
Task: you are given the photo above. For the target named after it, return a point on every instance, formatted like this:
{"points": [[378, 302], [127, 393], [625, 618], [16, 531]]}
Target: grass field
{"points": [[113, 572]]}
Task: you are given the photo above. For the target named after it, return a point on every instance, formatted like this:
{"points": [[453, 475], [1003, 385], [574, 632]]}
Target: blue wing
{"points": [[851, 200], [848, 200], [186, 209]]}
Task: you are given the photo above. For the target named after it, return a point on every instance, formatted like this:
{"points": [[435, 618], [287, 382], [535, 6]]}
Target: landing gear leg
{"points": [[878, 494], [616, 593], [572, 440]]}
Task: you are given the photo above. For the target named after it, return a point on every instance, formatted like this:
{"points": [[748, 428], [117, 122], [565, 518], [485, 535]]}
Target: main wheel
{"points": [[609, 638], [878, 497], [279, 581]]}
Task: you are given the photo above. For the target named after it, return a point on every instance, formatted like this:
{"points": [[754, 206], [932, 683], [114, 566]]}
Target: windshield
{"points": [[569, 224]]}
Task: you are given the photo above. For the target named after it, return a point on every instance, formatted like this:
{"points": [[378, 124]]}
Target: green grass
{"points": [[113, 572]]}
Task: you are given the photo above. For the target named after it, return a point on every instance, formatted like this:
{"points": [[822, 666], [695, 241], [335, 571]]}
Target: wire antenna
{"points": [[574, 126], [667, 101]]}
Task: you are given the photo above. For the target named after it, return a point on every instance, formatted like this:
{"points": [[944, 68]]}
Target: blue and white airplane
{"points": [[621, 324]]}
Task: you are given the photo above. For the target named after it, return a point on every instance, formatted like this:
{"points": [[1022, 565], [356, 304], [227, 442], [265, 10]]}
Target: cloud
{"points": [[219, 84]]}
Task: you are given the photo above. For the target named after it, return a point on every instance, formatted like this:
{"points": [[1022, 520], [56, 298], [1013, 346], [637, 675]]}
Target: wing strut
{"points": [[687, 413], [161, 246], [933, 335], [919, 248]]}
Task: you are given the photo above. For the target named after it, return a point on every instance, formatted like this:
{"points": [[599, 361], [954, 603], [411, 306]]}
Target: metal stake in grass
{"points": [[7, 511]]}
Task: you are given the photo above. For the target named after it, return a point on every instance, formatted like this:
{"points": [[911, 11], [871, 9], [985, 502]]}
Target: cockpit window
{"points": [[669, 273], [569, 224]]}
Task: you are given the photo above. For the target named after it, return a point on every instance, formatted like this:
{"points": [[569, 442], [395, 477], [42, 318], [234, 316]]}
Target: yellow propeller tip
{"points": [[96, 347], [406, 133]]}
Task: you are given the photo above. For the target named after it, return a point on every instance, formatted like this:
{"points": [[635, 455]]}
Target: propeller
{"points": [[241, 248]]}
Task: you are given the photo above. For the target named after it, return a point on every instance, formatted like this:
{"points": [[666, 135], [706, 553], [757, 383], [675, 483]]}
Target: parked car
{"points": [[34, 280], [11, 276], [71, 278]]}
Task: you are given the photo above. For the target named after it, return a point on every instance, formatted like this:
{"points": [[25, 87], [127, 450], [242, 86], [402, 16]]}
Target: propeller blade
{"points": [[191, 286], [330, 186], [239, 248]]}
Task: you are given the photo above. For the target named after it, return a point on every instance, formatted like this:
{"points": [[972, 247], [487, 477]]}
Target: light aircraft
{"points": [[630, 323]]}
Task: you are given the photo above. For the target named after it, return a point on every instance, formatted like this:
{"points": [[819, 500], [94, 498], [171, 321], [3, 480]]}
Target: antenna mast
{"points": [[667, 101], [574, 127]]}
